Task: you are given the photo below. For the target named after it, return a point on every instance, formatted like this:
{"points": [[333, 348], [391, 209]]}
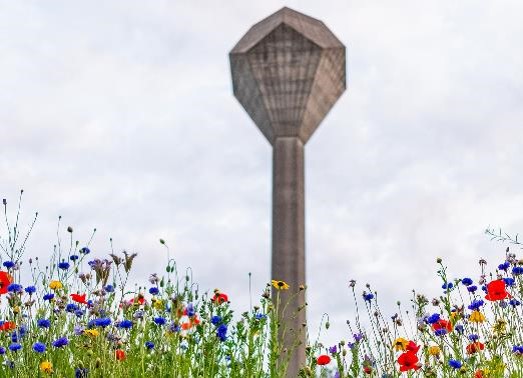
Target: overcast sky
{"points": [[119, 115]]}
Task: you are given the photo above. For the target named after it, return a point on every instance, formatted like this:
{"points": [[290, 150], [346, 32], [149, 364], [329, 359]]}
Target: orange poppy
{"points": [[119, 354], [7, 326]]}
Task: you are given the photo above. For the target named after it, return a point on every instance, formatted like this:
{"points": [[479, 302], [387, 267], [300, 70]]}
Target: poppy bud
{"points": [[69, 229]]}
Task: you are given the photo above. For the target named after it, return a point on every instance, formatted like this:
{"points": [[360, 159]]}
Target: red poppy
{"points": [[5, 281], [442, 324], [7, 326], [79, 298], [408, 361], [119, 354], [367, 370], [412, 347], [496, 291], [475, 347], [220, 298], [323, 359], [186, 326]]}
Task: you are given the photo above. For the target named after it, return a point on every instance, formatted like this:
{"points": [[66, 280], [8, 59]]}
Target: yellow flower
{"points": [[280, 285], [157, 304], [476, 317], [46, 367], [434, 350], [55, 285], [91, 332], [500, 326], [400, 344]]}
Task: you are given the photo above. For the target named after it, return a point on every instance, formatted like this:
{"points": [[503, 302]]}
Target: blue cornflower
{"points": [[221, 332], [43, 323], [125, 324], [174, 327], [73, 257], [216, 319], [517, 270], [514, 302], [15, 337], [39, 347], [71, 307], [154, 291], [440, 332], [333, 349], [447, 285], [472, 288], [85, 250], [8, 264], [101, 322], [30, 290], [503, 304], [15, 288], [190, 310], [22, 330], [518, 349], [48, 296], [260, 316], [455, 364], [81, 372], [466, 281], [159, 320], [149, 345], [64, 265], [368, 296], [60, 342], [484, 288], [79, 313], [504, 266], [476, 304], [433, 318], [473, 337], [2, 350], [15, 347], [509, 281], [459, 329], [109, 288]]}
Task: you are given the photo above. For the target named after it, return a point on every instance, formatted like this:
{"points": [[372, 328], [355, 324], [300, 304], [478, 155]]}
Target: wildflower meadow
{"points": [[78, 316]]}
